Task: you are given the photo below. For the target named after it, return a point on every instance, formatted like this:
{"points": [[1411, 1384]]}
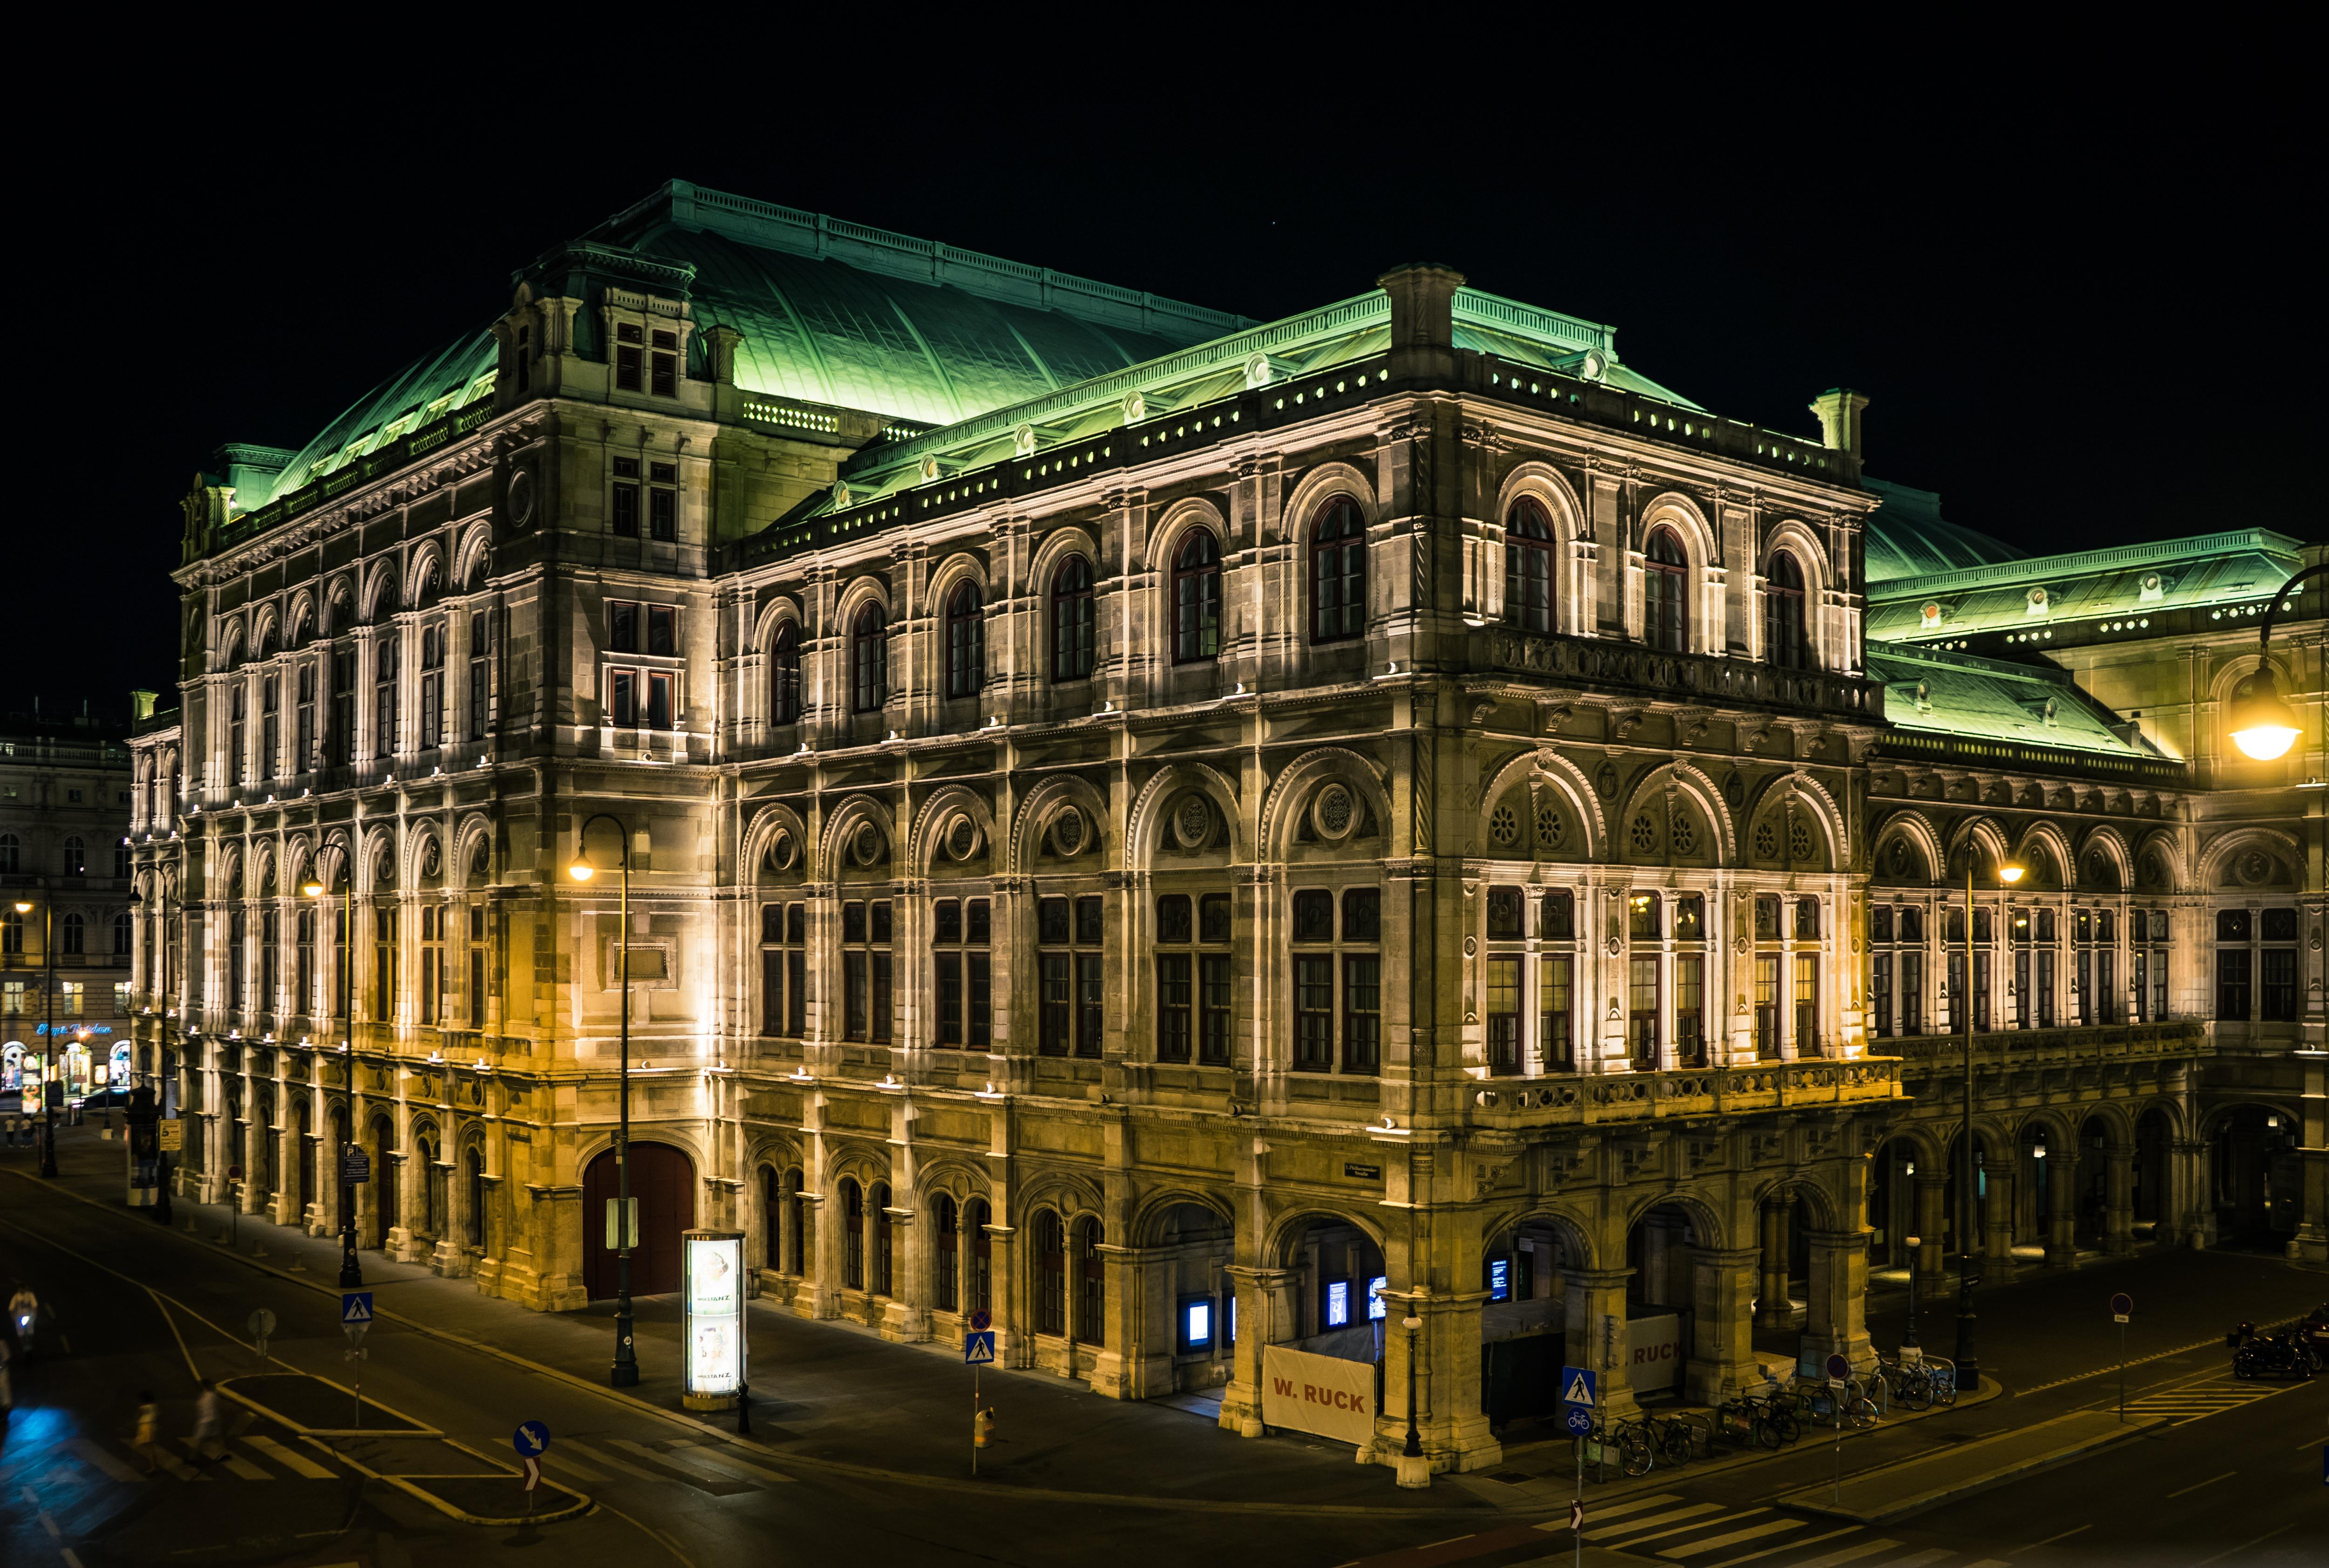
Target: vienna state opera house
{"points": [[1187, 834]]}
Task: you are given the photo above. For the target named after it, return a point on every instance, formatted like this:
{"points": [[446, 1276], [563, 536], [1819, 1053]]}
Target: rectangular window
{"points": [[623, 698], [2277, 985], [270, 690], [1879, 995], [662, 629], [1504, 1015], [1980, 1014], [663, 502], [1642, 1013], [1689, 1010], [622, 626], [384, 964], [303, 754], [663, 366], [1557, 915], [1807, 1005], [624, 515], [1313, 1013], [2044, 964], [2232, 997], [1213, 1009], [476, 967], [1912, 992], [343, 705], [480, 700], [1767, 1007], [629, 341], [1555, 1046], [1088, 1000], [2158, 976], [853, 976], [659, 708], [303, 997], [1175, 1008], [1056, 1003], [1955, 981], [2021, 987]]}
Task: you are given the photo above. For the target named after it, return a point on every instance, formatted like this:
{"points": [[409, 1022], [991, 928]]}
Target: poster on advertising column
{"points": [[711, 1325], [1318, 1394]]}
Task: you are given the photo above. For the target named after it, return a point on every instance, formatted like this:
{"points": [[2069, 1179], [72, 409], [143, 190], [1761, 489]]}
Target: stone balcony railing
{"points": [[1639, 1097], [1922, 1056]]}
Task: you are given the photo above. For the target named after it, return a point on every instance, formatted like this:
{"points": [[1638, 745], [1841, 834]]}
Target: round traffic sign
{"points": [[1579, 1420], [2122, 1304], [1838, 1367], [532, 1440], [981, 1320], [262, 1324], [235, 1172]]}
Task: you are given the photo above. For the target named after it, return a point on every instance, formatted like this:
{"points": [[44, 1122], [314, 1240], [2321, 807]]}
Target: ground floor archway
{"points": [[663, 1181]]}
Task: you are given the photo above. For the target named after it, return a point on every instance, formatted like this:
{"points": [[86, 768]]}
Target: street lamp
{"points": [[2262, 724], [625, 1372], [49, 1022], [1914, 1242], [1411, 1470], [1968, 1370], [351, 1268]]}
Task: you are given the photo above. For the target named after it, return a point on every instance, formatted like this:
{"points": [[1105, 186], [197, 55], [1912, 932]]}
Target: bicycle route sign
{"points": [[1578, 1398]]}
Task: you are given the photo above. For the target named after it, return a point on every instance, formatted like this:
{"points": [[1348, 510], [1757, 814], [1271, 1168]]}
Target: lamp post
{"points": [[1909, 1337], [1411, 1469], [1968, 1370], [626, 1371], [2262, 724], [351, 1268], [48, 1021]]}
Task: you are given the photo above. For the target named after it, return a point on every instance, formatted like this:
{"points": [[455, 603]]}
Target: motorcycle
{"points": [[2272, 1356]]}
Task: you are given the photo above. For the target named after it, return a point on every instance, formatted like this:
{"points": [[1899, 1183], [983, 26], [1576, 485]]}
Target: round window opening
{"points": [[1193, 821], [780, 851], [1503, 826], [1068, 832], [962, 838], [1336, 812], [865, 848], [1548, 826]]}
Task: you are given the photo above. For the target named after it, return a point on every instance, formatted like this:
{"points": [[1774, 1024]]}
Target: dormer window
{"points": [[665, 364], [629, 352]]}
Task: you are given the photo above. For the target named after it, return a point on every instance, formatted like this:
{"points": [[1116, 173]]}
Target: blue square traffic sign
{"points": [[978, 1349], [356, 1307], [1577, 1387]]}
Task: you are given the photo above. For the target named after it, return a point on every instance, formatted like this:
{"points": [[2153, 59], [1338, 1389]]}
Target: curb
{"points": [[1807, 1499]]}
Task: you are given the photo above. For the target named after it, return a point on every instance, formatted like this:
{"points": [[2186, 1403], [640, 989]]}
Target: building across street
{"points": [[1204, 841]]}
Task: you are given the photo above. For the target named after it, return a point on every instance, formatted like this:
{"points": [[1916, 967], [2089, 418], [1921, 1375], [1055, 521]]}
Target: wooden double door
{"points": [[663, 1180]]}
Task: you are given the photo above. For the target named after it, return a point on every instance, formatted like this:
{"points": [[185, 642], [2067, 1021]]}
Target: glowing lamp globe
{"points": [[2263, 727]]}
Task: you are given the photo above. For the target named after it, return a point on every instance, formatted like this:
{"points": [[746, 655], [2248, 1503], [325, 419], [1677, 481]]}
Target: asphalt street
{"points": [[129, 1305]]}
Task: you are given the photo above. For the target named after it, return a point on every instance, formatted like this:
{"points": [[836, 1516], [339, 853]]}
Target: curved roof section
{"points": [[1909, 537], [436, 383]]}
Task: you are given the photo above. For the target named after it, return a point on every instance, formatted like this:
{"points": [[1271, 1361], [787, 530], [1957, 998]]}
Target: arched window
{"points": [[1197, 597], [772, 1209], [11, 850], [852, 1227], [475, 1161], [1051, 1273], [76, 857], [1783, 614], [121, 929], [966, 641], [432, 687], [1665, 616], [796, 1223], [784, 674], [869, 660], [979, 1284], [1071, 620], [74, 937], [1091, 1284], [1338, 572], [882, 1280], [949, 1250], [1528, 567]]}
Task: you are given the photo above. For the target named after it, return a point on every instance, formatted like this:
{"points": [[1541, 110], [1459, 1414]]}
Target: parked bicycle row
{"points": [[1771, 1417]]}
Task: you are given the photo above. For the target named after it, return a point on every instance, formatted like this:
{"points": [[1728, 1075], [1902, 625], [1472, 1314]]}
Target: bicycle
{"points": [[1677, 1437], [1630, 1439]]}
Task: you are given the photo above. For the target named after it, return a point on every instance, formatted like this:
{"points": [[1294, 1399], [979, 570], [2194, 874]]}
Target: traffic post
{"points": [[262, 1324], [977, 1351], [1580, 1398], [532, 1440], [234, 1201], [1839, 1376], [355, 1317], [2122, 1309]]}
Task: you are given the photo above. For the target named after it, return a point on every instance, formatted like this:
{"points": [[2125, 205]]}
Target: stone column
{"points": [[1932, 1212], [1256, 1291], [1778, 1309], [1837, 1318], [906, 1315], [2119, 1211], [1598, 1336], [1999, 1209], [2311, 1241], [1130, 1363], [2193, 1187], [2061, 1209], [1455, 1428], [1723, 1324]]}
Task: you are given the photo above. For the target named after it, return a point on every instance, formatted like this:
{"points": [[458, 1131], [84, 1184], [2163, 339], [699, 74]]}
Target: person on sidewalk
{"points": [[149, 1429], [206, 1425]]}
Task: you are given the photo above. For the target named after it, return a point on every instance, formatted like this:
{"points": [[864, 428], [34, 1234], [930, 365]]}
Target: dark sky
{"points": [[2075, 285]]}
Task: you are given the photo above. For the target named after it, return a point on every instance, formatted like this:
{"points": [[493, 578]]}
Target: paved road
{"points": [[146, 1309]]}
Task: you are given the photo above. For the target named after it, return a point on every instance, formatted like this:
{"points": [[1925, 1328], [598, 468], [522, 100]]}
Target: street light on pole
{"points": [[351, 1268], [1968, 1371], [49, 1021], [626, 1371], [2262, 724]]}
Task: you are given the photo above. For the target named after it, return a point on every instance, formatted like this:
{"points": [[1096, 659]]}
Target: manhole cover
{"points": [[1511, 1478]]}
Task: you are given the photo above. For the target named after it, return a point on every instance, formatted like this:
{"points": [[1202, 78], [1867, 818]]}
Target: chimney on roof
{"points": [[1839, 416], [1422, 319], [141, 705]]}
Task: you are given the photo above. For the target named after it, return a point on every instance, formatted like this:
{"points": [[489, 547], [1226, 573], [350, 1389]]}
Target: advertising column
{"points": [[711, 1324]]}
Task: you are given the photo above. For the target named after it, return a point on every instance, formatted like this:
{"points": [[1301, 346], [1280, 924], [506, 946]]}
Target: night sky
{"points": [[2074, 288]]}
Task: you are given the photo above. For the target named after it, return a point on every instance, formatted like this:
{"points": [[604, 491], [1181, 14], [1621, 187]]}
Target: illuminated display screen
{"points": [[1200, 1324], [1338, 1303], [1500, 1278], [1375, 1288], [714, 1299]]}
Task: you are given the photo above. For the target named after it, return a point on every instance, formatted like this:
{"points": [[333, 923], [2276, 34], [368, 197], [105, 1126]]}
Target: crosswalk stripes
{"points": [[253, 1458], [298, 1464], [1664, 1529], [2193, 1401]]}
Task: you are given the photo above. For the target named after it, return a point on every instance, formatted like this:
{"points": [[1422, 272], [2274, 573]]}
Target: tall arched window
{"points": [[1197, 597], [772, 1209], [74, 936], [1091, 1284], [121, 929], [1051, 1273], [869, 660], [1071, 620], [784, 674], [474, 1164], [1338, 572], [1665, 616], [949, 1254], [12, 851], [1783, 614], [852, 1227], [966, 641], [76, 857], [1528, 567], [880, 1281]]}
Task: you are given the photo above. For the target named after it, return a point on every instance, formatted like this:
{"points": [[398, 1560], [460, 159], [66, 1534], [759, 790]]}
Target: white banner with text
{"points": [[1318, 1394]]}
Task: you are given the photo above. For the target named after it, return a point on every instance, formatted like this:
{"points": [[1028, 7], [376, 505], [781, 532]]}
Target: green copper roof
{"points": [[1908, 537], [434, 384], [2127, 579], [1957, 695]]}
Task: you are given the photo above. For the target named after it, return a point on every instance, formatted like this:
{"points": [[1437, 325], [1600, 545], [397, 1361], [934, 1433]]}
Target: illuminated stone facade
{"points": [[1387, 794]]}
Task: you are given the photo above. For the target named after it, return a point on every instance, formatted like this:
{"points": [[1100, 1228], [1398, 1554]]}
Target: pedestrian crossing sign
{"points": [[978, 1349], [1577, 1387], [355, 1305]]}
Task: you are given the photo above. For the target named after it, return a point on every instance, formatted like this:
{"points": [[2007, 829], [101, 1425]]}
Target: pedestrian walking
{"points": [[149, 1429], [206, 1423]]}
